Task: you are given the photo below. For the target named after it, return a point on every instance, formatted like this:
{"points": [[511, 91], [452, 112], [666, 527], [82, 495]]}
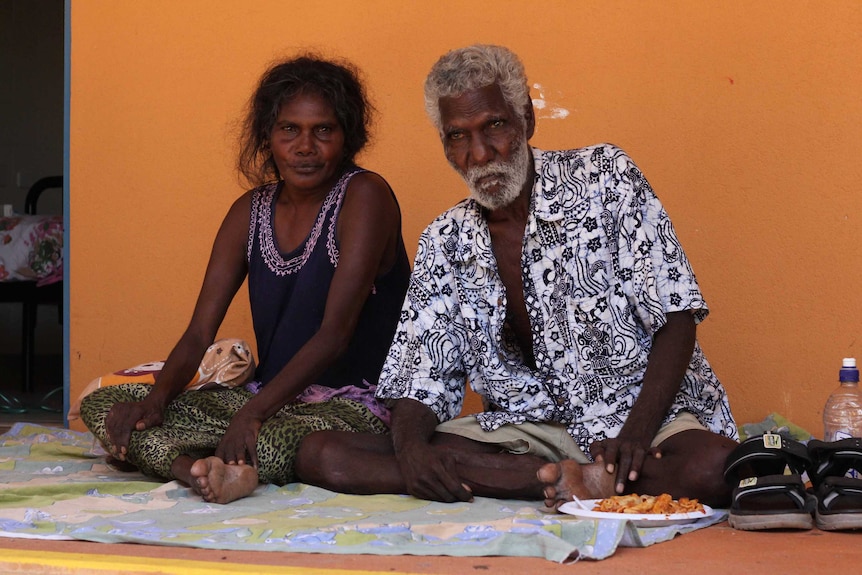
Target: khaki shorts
{"points": [[549, 441]]}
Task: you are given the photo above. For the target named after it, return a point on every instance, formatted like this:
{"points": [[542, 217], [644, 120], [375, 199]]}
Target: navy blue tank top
{"points": [[288, 293]]}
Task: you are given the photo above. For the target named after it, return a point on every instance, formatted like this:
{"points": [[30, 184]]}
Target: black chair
{"points": [[28, 293]]}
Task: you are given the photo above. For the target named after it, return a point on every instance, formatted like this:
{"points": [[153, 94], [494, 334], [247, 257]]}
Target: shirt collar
{"points": [[541, 208], [475, 239]]}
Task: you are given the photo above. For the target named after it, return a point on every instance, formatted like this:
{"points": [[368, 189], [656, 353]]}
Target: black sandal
{"points": [[839, 496], [764, 496]]}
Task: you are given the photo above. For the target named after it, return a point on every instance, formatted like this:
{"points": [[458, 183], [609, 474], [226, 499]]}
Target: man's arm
{"points": [[671, 353], [423, 376]]}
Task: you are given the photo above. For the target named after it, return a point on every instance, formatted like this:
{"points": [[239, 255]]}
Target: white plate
{"points": [[639, 519]]}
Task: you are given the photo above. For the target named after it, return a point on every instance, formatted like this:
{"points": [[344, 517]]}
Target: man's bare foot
{"points": [[218, 482], [568, 477]]}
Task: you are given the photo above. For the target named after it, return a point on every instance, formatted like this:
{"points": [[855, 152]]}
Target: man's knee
{"points": [[317, 459], [701, 456], [698, 443]]}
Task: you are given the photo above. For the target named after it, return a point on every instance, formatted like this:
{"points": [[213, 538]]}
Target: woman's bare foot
{"points": [[218, 482], [568, 477]]}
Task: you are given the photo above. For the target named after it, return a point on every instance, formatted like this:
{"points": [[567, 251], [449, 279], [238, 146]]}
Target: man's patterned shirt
{"points": [[601, 266]]}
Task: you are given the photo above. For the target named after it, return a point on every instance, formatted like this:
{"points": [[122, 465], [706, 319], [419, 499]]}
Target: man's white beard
{"points": [[511, 177]]}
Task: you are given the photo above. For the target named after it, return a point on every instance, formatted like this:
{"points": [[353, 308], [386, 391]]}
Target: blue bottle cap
{"points": [[849, 371]]}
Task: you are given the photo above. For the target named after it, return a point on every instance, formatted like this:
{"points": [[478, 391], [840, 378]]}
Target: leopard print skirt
{"points": [[196, 420]]}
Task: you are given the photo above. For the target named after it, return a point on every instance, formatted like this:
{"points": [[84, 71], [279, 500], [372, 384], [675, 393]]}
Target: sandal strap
{"points": [[767, 454], [834, 487], [789, 485], [834, 458]]}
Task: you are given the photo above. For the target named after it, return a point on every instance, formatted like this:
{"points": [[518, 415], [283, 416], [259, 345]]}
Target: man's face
{"points": [[486, 143]]}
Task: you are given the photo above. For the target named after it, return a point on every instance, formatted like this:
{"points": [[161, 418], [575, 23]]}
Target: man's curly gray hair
{"points": [[474, 67]]}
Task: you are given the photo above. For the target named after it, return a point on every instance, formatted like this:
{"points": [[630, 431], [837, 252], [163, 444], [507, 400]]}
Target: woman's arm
{"points": [[226, 270], [368, 232], [225, 273]]}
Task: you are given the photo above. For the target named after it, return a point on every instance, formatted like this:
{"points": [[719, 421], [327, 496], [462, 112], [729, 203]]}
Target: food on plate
{"points": [[645, 504]]}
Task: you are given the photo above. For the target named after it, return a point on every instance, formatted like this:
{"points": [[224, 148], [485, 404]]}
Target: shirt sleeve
{"points": [[425, 359], [651, 258]]}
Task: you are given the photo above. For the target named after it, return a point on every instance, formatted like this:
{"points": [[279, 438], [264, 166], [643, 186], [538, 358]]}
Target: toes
{"points": [[554, 501], [549, 473], [198, 469]]}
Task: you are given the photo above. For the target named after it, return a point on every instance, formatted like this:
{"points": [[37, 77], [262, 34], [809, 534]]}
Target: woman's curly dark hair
{"points": [[336, 81]]}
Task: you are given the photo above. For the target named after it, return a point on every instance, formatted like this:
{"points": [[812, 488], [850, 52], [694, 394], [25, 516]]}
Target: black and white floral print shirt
{"points": [[601, 267]]}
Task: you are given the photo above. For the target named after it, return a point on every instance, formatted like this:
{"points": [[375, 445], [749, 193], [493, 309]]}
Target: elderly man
{"points": [[560, 292]]}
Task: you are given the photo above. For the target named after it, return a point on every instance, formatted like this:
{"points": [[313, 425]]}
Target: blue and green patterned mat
{"points": [[54, 484]]}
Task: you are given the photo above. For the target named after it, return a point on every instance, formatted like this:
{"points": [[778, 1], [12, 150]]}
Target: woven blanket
{"points": [[55, 484]]}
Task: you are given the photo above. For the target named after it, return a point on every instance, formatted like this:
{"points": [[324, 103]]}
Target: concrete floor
{"points": [[717, 549]]}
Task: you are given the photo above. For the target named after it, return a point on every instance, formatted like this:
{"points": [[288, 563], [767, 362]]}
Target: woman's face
{"points": [[307, 144]]}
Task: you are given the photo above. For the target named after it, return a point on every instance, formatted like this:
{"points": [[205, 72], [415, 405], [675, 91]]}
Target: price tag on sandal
{"points": [[771, 441]]}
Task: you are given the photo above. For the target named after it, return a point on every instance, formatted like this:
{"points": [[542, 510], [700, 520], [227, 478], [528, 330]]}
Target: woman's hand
{"points": [[239, 443], [125, 418]]}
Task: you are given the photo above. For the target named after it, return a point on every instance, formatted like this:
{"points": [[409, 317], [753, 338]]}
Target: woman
{"points": [[320, 242]]}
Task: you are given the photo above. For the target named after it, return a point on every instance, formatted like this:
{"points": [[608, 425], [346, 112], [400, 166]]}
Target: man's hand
{"points": [[239, 443], [431, 473], [125, 418], [623, 456]]}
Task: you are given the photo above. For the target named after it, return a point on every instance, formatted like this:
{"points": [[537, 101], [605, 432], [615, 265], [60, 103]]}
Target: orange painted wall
{"points": [[745, 116]]}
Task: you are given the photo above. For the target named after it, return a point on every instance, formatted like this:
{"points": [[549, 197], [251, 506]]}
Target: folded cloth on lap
{"points": [[226, 363]]}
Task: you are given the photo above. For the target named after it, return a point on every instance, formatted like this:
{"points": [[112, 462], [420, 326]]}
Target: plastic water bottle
{"points": [[842, 416]]}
